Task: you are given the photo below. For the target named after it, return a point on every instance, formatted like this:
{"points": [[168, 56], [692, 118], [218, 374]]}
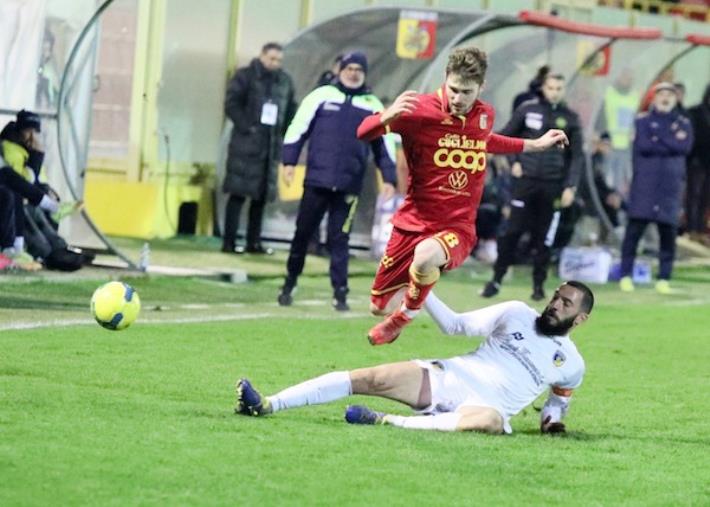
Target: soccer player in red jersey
{"points": [[445, 136]]}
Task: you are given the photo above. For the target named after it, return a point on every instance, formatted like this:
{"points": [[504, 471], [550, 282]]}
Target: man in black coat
{"points": [[663, 139], [543, 182], [260, 103], [698, 188]]}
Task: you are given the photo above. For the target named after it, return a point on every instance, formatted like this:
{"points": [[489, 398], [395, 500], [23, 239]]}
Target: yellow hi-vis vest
{"points": [[16, 157], [620, 111]]}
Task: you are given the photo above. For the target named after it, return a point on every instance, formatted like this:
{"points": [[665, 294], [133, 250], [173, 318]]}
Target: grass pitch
{"points": [[144, 416]]}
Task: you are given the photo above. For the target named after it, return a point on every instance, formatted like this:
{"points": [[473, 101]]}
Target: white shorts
{"points": [[453, 388]]}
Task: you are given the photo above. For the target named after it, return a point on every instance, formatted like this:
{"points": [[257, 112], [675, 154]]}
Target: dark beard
{"points": [[544, 327]]}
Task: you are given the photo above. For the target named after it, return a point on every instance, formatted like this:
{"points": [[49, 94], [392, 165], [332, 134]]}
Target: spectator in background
{"points": [[621, 102], [698, 188], [328, 118], [330, 76], [543, 182], [48, 75], [22, 152], [667, 75], [680, 91], [663, 139], [20, 169], [610, 199], [533, 91], [260, 103]]}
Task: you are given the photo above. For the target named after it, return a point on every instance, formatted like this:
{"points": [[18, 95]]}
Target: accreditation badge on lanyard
{"points": [[269, 113]]}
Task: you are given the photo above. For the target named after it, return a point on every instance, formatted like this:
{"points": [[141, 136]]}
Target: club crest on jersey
{"points": [[558, 359], [483, 121]]}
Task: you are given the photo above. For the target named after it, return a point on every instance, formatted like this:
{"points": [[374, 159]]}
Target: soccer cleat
{"points": [[663, 287], [5, 262], [538, 294], [490, 289], [65, 209], [340, 302], [249, 401], [21, 260], [626, 284], [358, 414], [285, 298], [389, 329]]}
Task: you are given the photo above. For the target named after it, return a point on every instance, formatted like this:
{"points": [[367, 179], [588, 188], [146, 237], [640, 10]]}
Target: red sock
{"points": [[420, 284]]}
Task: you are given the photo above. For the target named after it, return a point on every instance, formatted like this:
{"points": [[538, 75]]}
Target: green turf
{"points": [[144, 416]]}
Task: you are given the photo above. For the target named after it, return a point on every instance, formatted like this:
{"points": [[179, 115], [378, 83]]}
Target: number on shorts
{"points": [[451, 239]]}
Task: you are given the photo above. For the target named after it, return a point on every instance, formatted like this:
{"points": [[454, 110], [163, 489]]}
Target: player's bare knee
{"points": [[427, 256], [373, 380]]}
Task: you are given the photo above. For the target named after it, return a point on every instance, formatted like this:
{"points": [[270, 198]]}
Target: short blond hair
{"points": [[470, 63]]}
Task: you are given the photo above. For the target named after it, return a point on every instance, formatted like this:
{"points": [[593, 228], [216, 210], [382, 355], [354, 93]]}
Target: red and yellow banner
{"points": [[416, 34], [599, 64]]}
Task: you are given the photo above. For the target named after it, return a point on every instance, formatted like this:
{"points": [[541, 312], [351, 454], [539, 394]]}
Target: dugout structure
{"points": [[591, 57]]}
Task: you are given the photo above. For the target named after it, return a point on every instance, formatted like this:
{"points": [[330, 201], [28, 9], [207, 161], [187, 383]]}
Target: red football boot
{"points": [[388, 330]]}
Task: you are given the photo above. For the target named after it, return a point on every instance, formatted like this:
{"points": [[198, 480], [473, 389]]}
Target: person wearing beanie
{"points": [[20, 168], [663, 139], [328, 119]]}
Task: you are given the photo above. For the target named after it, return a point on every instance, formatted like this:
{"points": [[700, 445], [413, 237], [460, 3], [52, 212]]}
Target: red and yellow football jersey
{"points": [[446, 155]]}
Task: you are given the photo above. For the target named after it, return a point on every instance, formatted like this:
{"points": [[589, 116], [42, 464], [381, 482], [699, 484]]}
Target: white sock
{"points": [[19, 244], [49, 204], [439, 422], [408, 311], [323, 389]]}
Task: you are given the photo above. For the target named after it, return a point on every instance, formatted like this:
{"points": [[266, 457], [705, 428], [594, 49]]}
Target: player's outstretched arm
{"points": [[554, 410], [480, 322], [553, 137]]}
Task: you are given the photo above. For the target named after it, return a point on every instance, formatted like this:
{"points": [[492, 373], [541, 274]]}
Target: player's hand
{"points": [[567, 197], [288, 172], [405, 103], [387, 191], [516, 170], [553, 137], [552, 427]]}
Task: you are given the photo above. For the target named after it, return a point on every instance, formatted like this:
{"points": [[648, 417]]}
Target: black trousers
{"points": [[341, 210], [21, 188], [532, 209], [7, 217], [697, 195], [232, 213], [666, 252]]}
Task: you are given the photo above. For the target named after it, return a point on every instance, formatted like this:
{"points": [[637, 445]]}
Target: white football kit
{"points": [[509, 370]]}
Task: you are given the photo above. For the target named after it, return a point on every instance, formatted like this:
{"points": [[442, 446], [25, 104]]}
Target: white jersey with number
{"points": [[510, 369]]}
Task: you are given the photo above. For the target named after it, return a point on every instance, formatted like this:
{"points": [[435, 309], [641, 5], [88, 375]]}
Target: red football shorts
{"points": [[393, 271]]}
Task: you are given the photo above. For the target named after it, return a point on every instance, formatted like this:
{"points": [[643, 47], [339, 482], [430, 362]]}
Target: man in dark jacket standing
{"points": [[543, 182], [329, 117], [260, 104], [663, 139], [698, 189]]}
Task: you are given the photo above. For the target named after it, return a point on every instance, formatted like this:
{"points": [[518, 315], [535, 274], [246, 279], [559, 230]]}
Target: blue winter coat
{"points": [[661, 143], [328, 118]]}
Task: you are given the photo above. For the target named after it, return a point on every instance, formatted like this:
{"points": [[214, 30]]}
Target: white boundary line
{"points": [[20, 326]]}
